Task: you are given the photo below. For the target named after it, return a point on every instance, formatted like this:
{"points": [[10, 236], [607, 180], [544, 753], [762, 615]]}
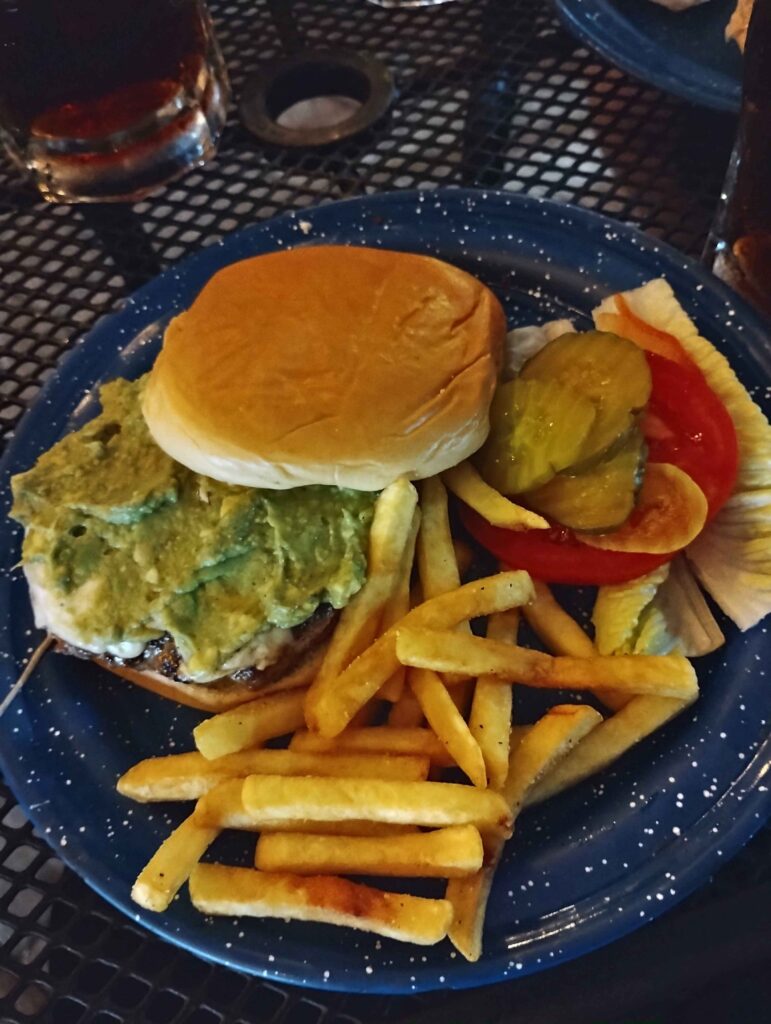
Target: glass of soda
{"points": [[104, 100]]}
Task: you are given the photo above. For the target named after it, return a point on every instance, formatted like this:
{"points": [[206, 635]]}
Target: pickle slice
{"points": [[538, 428], [611, 371], [599, 499]]}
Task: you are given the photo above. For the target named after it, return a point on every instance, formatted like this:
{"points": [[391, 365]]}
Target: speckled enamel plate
{"points": [[582, 870], [682, 52]]}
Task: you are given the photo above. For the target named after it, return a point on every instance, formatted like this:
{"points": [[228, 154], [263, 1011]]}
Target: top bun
{"points": [[328, 365]]}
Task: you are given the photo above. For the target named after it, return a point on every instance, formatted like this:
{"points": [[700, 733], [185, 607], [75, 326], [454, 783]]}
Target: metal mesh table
{"points": [[491, 93]]}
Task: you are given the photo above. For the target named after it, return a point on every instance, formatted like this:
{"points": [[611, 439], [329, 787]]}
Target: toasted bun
{"points": [[211, 696], [328, 365]]}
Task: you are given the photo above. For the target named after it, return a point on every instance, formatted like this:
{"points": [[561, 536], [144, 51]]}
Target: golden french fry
{"points": [[170, 866], [562, 635], [359, 623], [393, 688], [406, 713], [468, 485], [330, 705], [223, 807], [445, 853], [617, 734], [338, 828], [668, 675], [383, 739], [400, 601], [250, 725], [558, 630], [437, 566], [431, 804], [468, 898], [490, 718], [188, 776], [217, 889], [396, 608], [547, 743], [446, 721], [535, 751]]}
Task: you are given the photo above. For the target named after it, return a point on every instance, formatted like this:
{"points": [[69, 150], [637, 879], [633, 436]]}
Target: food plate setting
{"points": [[682, 52], [581, 869]]}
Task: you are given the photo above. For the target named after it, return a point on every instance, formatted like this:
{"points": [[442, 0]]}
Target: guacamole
{"points": [[126, 545]]}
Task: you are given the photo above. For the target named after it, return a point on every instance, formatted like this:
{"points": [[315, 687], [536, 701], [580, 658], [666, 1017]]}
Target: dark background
{"points": [[491, 93]]}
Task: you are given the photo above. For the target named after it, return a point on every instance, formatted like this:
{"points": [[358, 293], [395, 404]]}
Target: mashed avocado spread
{"points": [[127, 544]]}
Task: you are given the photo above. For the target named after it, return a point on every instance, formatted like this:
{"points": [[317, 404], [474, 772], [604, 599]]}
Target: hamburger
{"points": [[199, 536]]}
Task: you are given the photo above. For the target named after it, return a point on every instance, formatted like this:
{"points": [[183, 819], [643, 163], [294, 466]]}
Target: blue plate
{"points": [[682, 52], [582, 870]]}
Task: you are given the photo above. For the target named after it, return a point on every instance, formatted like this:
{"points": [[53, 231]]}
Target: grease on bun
{"points": [[328, 365]]}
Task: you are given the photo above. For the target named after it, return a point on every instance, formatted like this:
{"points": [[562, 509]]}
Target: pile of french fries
{"points": [[406, 695]]}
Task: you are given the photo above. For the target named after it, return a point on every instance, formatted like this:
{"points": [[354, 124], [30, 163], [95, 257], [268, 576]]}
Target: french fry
{"points": [[562, 635], [406, 713], [397, 607], [170, 866], [338, 828], [468, 485], [188, 776], [617, 734], [534, 753], [250, 725], [330, 705], [437, 566], [383, 739], [217, 889], [392, 526], [668, 675], [468, 898], [223, 807], [548, 743], [448, 724], [445, 853], [430, 804], [554, 627], [490, 718], [393, 688]]}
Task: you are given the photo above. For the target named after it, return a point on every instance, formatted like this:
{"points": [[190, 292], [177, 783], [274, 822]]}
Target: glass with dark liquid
{"points": [[740, 243], [107, 99]]}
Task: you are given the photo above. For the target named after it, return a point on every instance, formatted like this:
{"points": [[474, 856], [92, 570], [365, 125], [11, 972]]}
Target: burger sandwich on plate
{"points": [[199, 536]]}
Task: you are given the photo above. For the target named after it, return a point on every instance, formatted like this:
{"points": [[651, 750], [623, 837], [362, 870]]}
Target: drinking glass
{"points": [[105, 100]]}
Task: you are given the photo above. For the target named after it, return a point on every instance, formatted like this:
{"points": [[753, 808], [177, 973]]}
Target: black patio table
{"points": [[491, 93]]}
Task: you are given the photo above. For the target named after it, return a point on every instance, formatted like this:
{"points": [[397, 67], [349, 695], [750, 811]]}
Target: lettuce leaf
{"points": [[619, 608], [732, 555], [661, 613]]}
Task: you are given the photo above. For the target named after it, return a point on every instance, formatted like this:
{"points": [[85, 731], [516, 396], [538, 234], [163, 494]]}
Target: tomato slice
{"points": [[687, 425], [556, 555]]}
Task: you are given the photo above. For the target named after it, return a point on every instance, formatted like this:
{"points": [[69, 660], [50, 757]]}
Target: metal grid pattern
{"points": [[491, 93]]}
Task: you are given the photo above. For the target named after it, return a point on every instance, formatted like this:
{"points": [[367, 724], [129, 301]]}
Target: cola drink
{"points": [[105, 99]]}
